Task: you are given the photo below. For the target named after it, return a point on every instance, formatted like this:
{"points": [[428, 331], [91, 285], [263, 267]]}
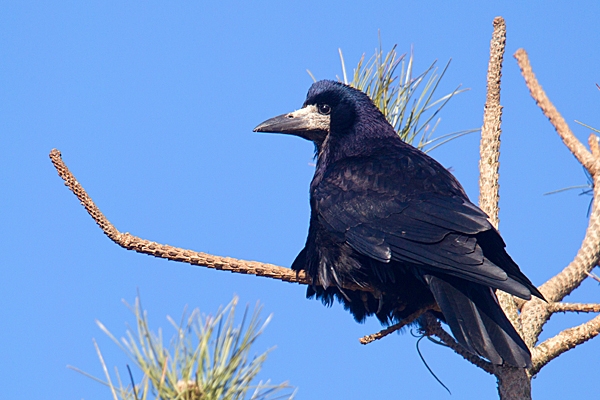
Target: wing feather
{"points": [[424, 219]]}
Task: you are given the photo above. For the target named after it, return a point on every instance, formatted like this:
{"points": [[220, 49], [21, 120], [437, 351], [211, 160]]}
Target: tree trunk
{"points": [[513, 383]]}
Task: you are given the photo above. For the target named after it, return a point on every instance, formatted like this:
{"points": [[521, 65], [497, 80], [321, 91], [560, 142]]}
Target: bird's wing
{"points": [[408, 208]]}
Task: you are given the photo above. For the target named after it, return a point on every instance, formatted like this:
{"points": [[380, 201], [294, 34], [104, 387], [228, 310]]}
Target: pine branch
{"points": [[489, 188], [130, 242], [564, 341], [535, 313], [433, 327], [559, 123], [489, 150], [393, 328], [574, 307]]}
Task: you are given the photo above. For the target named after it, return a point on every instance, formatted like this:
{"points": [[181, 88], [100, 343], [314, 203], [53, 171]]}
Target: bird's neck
{"points": [[362, 139]]}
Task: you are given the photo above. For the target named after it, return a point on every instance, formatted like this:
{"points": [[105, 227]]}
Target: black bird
{"points": [[386, 215]]}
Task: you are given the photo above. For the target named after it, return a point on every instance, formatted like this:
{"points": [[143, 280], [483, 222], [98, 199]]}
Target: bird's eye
{"points": [[324, 109]]}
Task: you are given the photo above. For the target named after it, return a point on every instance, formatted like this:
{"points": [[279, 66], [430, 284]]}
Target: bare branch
{"points": [[433, 327], [139, 245], [574, 307], [489, 149], [535, 313], [490, 132], [559, 123], [564, 341], [393, 328]]}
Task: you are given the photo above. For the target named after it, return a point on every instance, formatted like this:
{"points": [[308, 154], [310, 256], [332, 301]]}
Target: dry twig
{"points": [[393, 328], [574, 307], [433, 327]]}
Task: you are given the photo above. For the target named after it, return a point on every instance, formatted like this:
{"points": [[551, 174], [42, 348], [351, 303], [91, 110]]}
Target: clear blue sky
{"points": [[153, 105]]}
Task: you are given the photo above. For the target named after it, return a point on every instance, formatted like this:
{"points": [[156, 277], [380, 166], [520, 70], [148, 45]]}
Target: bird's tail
{"points": [[477, 321]]}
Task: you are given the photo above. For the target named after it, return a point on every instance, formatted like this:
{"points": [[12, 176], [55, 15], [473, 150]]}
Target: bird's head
{"points": [[329, 107]]}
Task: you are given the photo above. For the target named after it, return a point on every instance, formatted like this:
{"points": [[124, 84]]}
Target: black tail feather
{"points": [[477, 321]]}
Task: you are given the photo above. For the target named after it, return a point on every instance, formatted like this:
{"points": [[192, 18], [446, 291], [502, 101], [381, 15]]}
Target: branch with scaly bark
{"points": [[574, 307], [558, 122], [155, 249], [513, 383], [564, 341], [489, 189], [489, 151], [130, 242], [489, 195], [556, 288], [535, 313]]}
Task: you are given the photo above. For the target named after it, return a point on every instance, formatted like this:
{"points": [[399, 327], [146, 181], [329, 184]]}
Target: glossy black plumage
{"points": [[386, 215]]}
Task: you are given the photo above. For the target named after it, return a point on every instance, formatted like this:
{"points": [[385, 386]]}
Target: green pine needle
{"points": [[208, 358], [407, 101]]}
